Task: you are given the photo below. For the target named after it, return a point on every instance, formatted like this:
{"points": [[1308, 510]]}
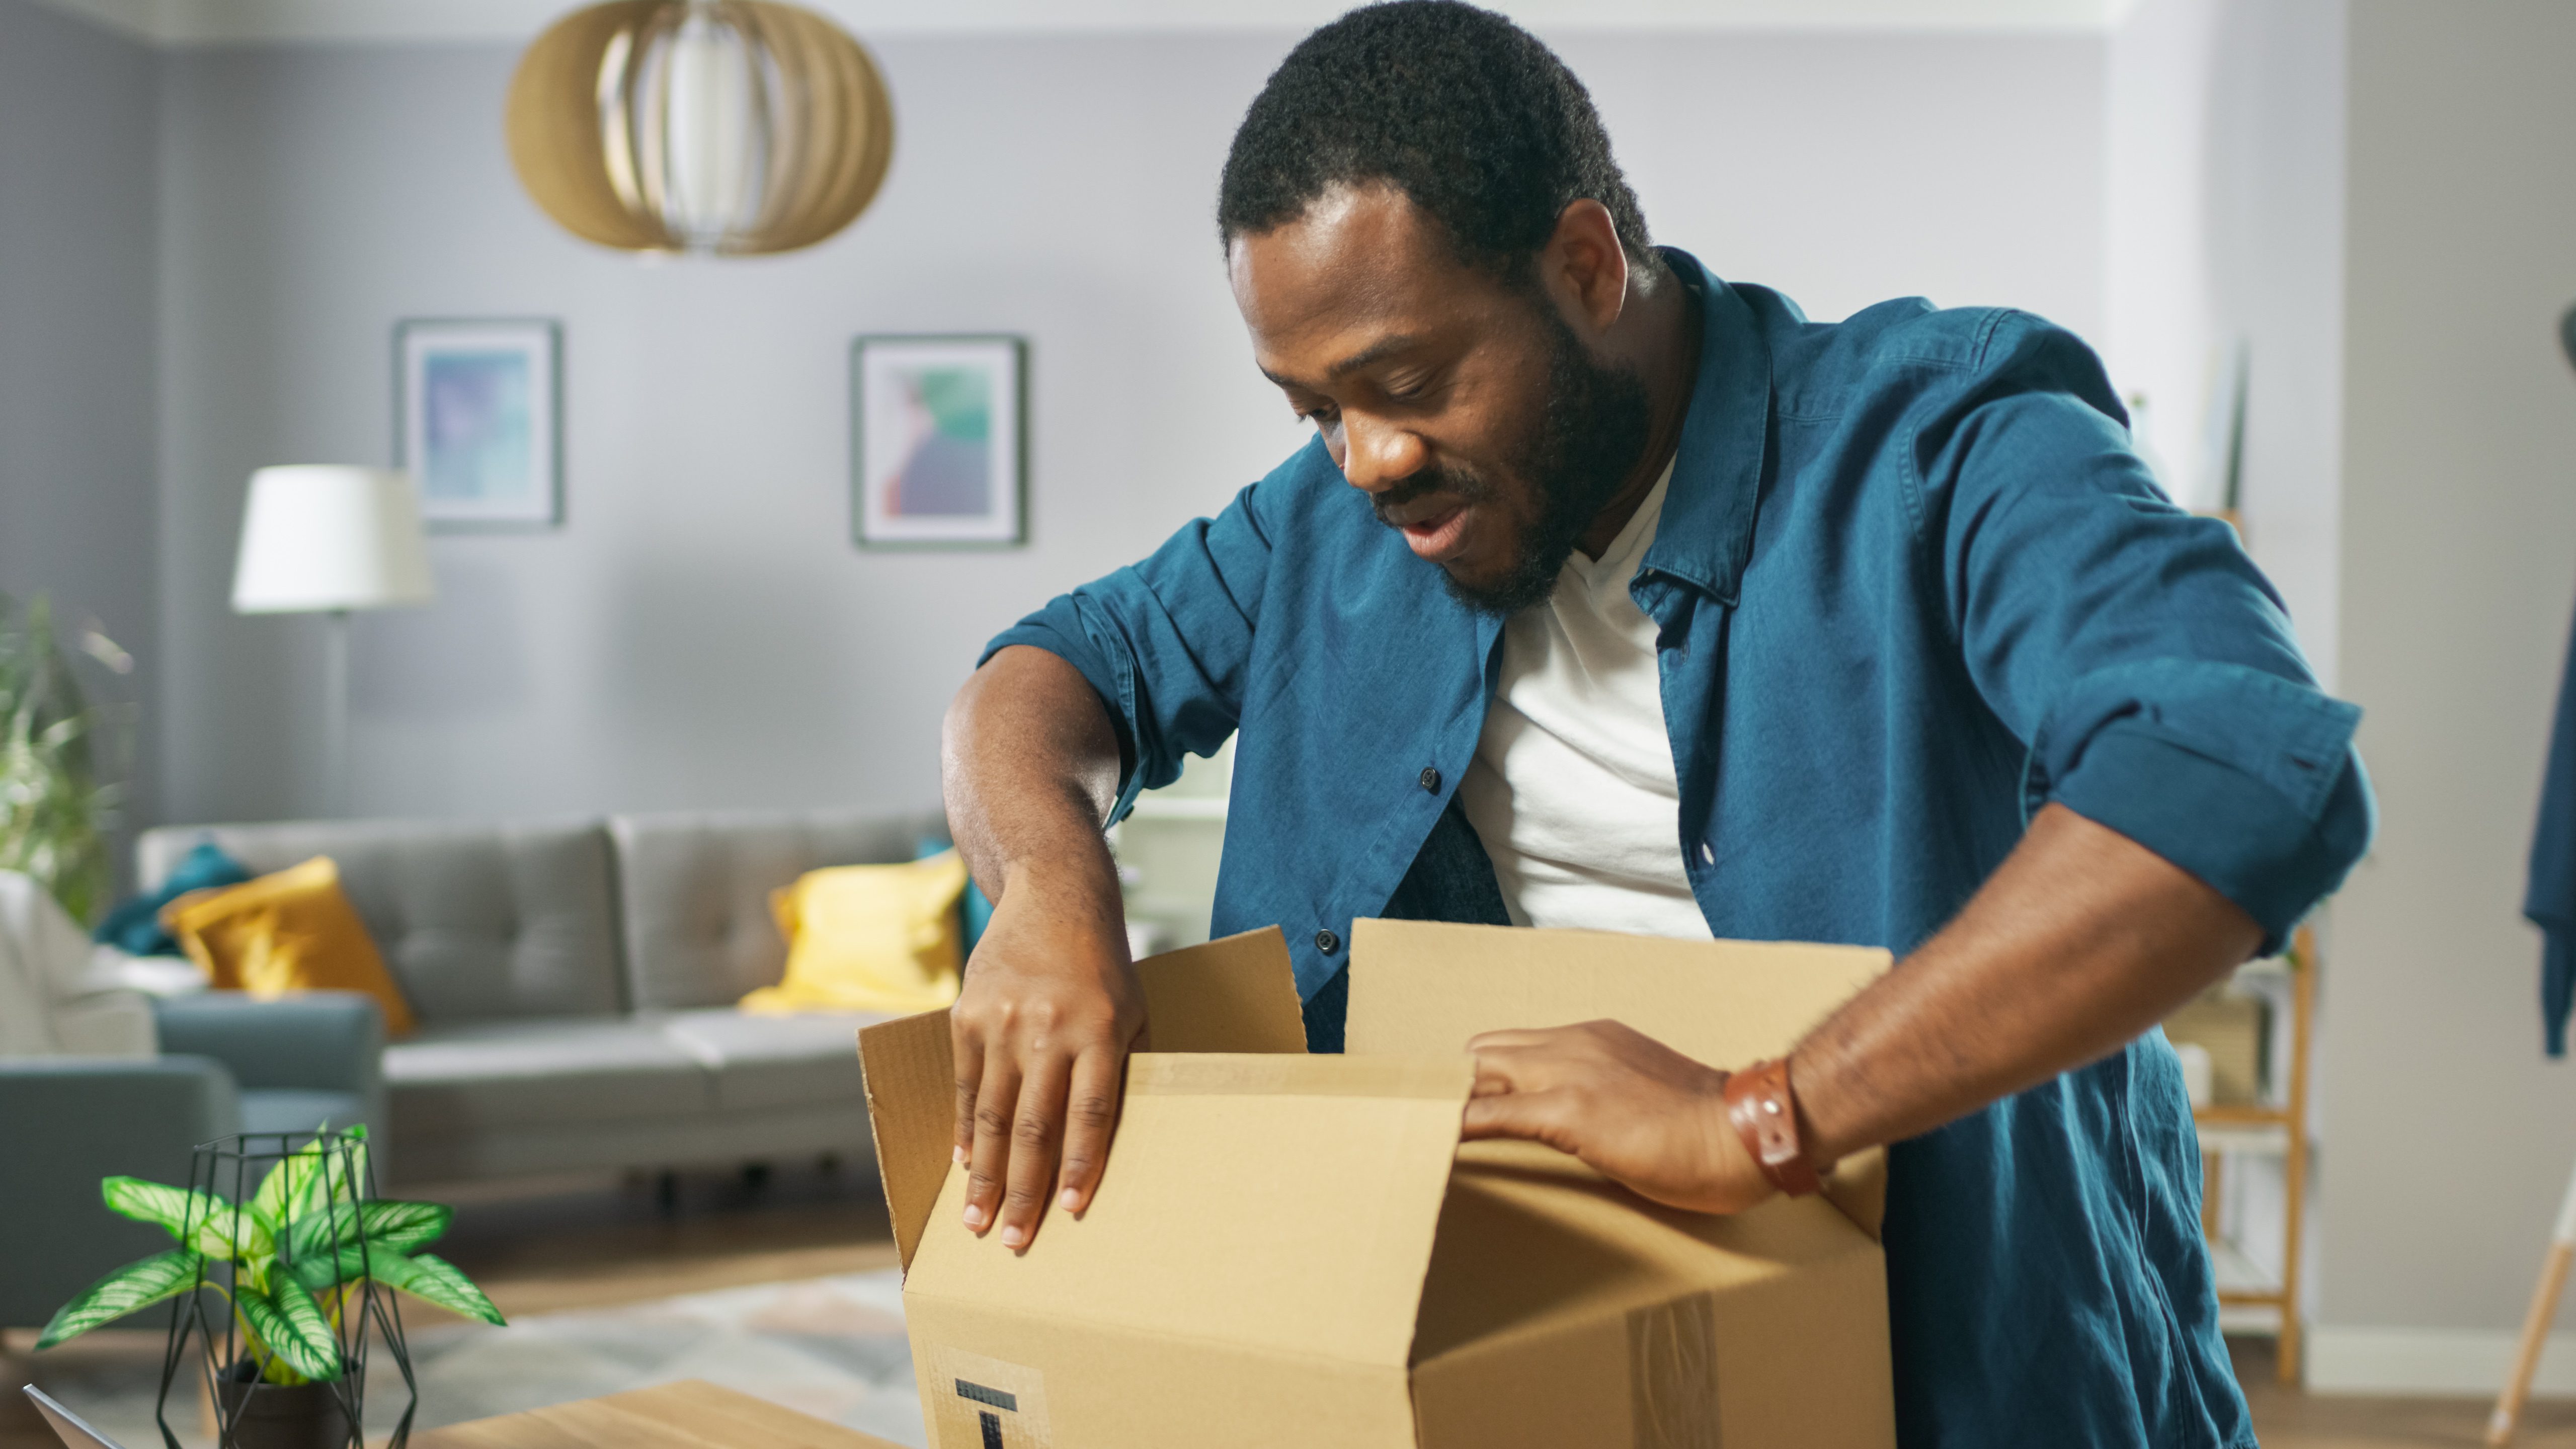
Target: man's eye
{"points": [[1320, 417]]}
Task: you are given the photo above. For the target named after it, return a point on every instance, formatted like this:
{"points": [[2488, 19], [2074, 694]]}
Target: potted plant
{"points": [[297, 1262], [55, 804]]}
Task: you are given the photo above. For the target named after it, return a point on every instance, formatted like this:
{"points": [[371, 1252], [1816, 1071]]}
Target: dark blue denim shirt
{"points": [[1911, 583]]}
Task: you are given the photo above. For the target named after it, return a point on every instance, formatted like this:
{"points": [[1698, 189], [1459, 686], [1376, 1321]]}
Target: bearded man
{"points": [[1613, 595]]}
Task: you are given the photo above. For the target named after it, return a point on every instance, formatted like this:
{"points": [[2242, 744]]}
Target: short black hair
{"points": [[1458, 108]]}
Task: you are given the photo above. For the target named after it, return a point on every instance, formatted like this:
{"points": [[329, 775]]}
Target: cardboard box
{"points": [[1297, 1250]]}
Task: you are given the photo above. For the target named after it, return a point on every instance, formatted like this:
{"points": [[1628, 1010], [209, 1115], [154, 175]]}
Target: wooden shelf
{"points": [[2241, 1116], [2254, 1129]]}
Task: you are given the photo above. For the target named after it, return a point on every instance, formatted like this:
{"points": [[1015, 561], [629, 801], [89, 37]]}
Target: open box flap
{"points": [[1423, 988], [1234, 995], [1279, 1204]]}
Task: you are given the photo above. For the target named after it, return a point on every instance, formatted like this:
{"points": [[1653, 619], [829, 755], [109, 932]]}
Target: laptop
{"points": [[76, 1434]]}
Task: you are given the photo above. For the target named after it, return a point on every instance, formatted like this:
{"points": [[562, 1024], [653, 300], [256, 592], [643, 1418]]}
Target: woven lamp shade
{"points": [[723, 127]]}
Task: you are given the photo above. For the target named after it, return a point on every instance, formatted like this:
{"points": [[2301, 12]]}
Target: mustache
{"points": [[1466, 487]]}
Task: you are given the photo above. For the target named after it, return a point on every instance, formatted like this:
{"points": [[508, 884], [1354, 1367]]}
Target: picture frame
{"points": [[939, 441], [478, 420]]}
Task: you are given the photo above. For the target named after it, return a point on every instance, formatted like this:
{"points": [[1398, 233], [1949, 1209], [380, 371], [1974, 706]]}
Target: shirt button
{"points": [[1327, 942], [1707, 853], [1430, 780]]}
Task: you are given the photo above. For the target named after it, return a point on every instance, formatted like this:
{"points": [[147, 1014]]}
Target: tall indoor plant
{"points": [[57, 797], [295, 1263]]}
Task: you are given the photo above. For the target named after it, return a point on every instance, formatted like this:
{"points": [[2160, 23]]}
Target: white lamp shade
{"points": [[326, 537]]}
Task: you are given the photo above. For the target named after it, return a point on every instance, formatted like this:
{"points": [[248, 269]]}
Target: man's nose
{"points": [[1376, 457]]}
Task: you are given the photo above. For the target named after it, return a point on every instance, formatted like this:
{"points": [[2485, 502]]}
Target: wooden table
{"points": [[691, 1414]]}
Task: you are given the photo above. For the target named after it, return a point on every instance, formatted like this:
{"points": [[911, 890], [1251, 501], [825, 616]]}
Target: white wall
{"points": [[702, 633], [2452, 1137], [2224, 228], [76, 326]]}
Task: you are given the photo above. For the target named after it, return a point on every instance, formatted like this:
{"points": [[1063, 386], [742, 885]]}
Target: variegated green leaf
{"points": [[136, 1285], [400, 1226], [291, 1324], [285, 1186], [201, 1220], [404, 1226], [333, 1174], [436, 1280]]}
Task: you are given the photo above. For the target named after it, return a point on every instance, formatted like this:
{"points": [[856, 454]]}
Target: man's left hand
{"points": [[1633, 1109]]}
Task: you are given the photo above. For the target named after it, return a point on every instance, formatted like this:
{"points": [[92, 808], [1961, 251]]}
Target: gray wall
{"points": [[77, 162], [703, 633], [2451, 1137]]}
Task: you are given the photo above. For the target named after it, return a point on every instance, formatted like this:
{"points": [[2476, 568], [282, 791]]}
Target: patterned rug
{"points": [[830, 1347]]}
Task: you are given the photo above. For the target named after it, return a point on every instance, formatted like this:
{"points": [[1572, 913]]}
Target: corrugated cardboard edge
{"points": [[1238, 994], [911, 1080]]}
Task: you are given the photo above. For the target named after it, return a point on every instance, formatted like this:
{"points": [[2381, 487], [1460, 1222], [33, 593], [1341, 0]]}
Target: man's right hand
{"points": [[1042, 1030], [1051, 1007]]}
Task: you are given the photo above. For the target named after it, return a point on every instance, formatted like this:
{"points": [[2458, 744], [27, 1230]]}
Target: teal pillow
{"points": [[134, 924]]}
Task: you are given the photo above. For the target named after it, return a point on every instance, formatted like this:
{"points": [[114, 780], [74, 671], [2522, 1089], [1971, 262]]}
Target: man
{"points": [[1612, 595]]}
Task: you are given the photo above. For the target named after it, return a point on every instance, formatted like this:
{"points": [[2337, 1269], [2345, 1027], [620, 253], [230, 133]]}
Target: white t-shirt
{"points": [[1572, 788]]}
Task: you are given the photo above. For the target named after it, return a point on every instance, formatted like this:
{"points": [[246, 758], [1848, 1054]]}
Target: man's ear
{"points": [[1583, 266]]}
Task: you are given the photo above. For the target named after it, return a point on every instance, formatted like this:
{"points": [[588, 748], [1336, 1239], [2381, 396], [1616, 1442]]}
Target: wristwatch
{"points": [[1764, 1109]]}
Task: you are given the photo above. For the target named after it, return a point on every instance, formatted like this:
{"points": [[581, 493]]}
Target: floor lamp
{"points": [[327, 540]]}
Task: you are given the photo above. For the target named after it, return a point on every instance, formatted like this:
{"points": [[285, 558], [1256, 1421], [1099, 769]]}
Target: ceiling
{"points": [[217, 22]]}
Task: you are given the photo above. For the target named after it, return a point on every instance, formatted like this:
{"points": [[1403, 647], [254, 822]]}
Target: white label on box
{"points": [[974, 1402]]}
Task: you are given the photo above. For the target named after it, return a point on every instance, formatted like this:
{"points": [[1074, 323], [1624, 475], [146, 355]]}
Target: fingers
{"points": [[968, 1049], [1090, 1116], [1499, 1040], [1036, 1128], [1539, 1116], [1524, 1061], [997, 1099]]}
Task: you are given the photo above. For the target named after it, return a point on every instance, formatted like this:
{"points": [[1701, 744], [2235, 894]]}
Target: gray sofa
{"points": [[574, 983]]}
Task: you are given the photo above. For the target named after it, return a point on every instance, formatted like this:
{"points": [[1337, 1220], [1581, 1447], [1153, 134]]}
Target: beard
{"points": [[1586, 441]]}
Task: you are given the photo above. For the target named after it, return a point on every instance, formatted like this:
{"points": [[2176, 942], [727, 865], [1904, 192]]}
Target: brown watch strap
{"points": [[1765, 1113]]}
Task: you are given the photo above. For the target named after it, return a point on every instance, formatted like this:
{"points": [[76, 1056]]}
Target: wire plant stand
{"points": [[230, 1362]]}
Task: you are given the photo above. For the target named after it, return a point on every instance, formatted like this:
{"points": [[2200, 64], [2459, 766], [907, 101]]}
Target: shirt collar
{"points": [[1707, 527]]}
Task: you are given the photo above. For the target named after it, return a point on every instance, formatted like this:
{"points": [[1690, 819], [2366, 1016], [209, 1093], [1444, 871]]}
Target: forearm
{"points": [[1050, 1009], [1029, 768], [2080, 941]]}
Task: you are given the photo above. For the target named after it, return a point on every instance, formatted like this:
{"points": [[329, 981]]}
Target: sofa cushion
{"points": [[501, 1075], [477, 922], [693, 890], [285, 934], [776, 1061]]}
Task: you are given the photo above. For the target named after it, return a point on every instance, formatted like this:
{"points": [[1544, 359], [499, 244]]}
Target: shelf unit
{"points": [[1168, 850], [2278, 1129]]}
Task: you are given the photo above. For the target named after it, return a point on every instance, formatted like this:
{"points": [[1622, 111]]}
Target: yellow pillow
{"points": [[291, 931], [868, 938]]}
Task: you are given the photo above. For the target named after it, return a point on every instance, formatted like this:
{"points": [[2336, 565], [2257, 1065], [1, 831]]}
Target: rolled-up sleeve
{"points": [[2136, 651], [1166, 642]]}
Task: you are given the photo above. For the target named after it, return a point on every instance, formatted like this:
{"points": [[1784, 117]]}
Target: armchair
{"points": [[66, 1122], [229, 1065], [299, 1061]]}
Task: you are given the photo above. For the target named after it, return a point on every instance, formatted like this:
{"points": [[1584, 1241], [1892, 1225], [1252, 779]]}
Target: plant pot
{"points": [[279, 1416]]}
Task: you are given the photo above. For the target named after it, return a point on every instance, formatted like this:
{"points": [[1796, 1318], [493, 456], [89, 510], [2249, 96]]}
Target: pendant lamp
{"points": [[718, 127]]}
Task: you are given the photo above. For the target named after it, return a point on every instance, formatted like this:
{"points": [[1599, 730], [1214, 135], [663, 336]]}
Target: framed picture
{"points": [[939, 442], [479, 421]]}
